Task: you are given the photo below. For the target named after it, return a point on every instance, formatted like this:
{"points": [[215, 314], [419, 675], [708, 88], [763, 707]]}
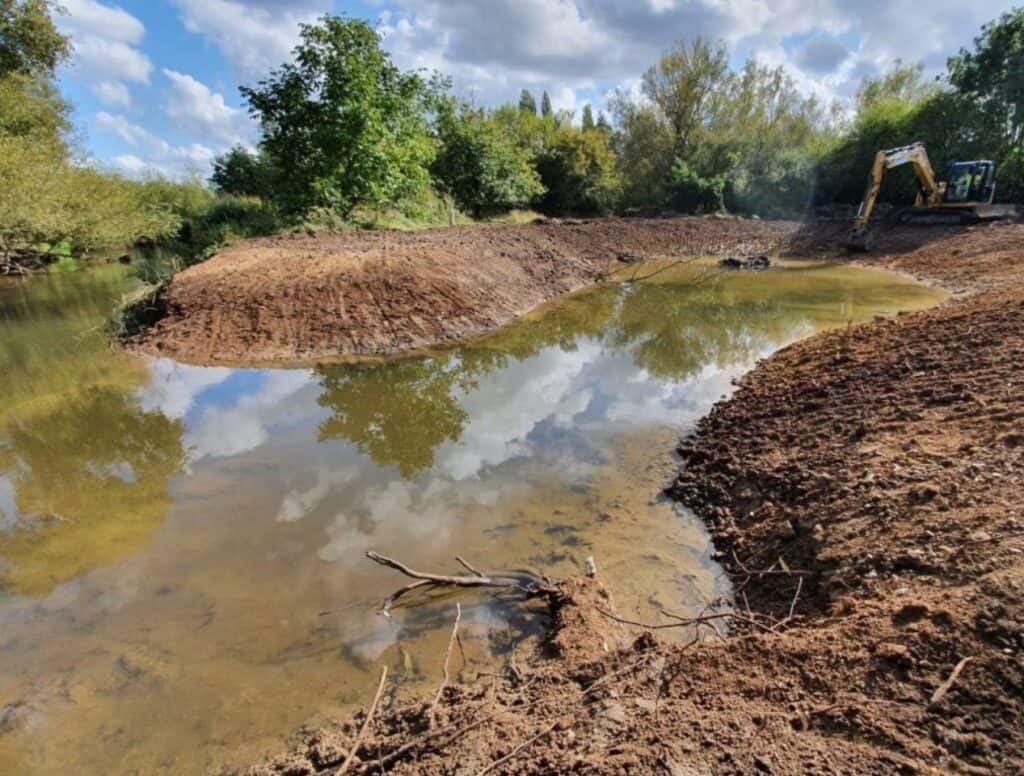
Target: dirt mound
{"points": [[306, 297], [864, 488]]}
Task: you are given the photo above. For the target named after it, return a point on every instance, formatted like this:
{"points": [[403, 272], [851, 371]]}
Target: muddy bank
{"points": [[305, 297], [874, 475]]}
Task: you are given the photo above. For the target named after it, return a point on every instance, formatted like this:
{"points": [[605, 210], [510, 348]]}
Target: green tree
{"points": [[241, 172], [991, 77], [588, 117], [527, 103], [29, 42], [579, 172], [347, 125], [545, 106], [602, 122], [688, 87], [479, 165], [645, 146], [902, 82]]}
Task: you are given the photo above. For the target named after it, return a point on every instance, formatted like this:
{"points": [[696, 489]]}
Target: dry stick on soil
{"points": [[943, 688], [528, 742], [444, 668], [366, 724], [683, 622]]}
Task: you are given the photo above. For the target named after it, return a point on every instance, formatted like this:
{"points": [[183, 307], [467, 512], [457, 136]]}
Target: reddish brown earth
{"points": [[306, 297], [877, 474]]}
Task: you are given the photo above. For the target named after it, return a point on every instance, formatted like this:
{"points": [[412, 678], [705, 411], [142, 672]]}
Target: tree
{"points": [[602, 122], [527, 103], [479, 164], [579, 172], [348, 126], [902, 82], [588, 117], [545, 106], [29, 41], [688, 86], [239, 171], [992, 77]]}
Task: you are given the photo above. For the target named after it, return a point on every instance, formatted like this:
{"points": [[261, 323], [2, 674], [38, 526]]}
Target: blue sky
{"points": [[155, 82]]}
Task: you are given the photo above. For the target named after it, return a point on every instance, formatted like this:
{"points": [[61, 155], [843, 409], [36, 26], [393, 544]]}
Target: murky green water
{"points": [[181, 548]]}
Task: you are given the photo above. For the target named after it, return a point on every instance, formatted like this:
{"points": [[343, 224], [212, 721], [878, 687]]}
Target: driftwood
{"points": [[527, 583]]}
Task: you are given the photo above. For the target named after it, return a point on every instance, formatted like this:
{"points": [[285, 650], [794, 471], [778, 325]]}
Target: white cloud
{"points": [[243, 426], [194, 108], [255, 37], [157, 154], [105, 40], [102, 20], [113, 93], [569, 46], [173, 387]]}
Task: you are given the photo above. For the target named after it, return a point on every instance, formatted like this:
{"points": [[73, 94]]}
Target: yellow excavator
{"points": [[966, 195]]}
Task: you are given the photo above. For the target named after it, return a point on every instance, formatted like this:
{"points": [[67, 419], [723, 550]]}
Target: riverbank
{"points": [[293, 298], [864, 490]]}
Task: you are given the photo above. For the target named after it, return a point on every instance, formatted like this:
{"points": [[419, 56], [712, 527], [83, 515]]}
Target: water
{"points": [[182, 581]]}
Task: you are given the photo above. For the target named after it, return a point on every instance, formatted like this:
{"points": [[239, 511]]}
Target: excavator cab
{"points": [[973, 182]]}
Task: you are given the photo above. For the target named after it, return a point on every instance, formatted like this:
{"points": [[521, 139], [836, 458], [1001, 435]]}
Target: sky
{"points": [[155, 82]]}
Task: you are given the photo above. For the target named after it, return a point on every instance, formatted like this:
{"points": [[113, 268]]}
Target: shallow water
{"points": [[182, 581]]}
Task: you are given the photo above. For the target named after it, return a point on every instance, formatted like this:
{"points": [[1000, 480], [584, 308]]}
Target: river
{"points": [[182, 571]]}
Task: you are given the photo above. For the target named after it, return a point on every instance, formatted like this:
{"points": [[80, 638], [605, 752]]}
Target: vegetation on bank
{"points": [[349, 139]]}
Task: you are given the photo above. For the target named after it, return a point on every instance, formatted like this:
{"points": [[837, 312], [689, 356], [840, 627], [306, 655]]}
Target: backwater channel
{"points": [[182, 571]]}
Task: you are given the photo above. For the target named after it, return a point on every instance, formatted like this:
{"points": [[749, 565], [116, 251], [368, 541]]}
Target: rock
{"points": [[888, 650], [614, 712]]}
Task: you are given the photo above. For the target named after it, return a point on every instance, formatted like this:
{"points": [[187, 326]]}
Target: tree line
{"points": [[341, 127], [344, 132]]}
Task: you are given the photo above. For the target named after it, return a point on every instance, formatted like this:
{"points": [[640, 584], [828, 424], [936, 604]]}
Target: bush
{"points": [[579, 172], [691, 192]]}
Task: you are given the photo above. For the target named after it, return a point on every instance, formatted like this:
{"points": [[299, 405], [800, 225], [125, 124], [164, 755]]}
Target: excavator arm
{"points": [[914, 154]]}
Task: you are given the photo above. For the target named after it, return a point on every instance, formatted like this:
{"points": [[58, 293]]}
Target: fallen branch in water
{"points": [[525, 582]]}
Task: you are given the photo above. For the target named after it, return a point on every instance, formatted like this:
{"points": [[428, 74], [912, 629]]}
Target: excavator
{"points": [[965, 196]]}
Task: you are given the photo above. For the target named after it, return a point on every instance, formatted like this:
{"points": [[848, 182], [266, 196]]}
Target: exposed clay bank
{"points": [[295, 298]]}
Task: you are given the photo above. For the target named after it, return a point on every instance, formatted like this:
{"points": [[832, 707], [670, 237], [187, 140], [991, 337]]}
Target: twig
{"points": [[523, 581], [528, 742], [444, 668], [466, 565], [366, 723], [769, 572], [792, 605], [685, 622], [943, 688]]}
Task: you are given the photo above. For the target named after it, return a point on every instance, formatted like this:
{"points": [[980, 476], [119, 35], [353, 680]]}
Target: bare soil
{"points": [[864, 487], [305, 297]]}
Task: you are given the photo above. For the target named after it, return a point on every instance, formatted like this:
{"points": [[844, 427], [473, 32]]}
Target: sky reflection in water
{"points": [[181, 547]]}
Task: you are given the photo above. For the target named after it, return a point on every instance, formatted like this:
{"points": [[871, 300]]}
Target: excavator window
{"points": [[969, 181]]}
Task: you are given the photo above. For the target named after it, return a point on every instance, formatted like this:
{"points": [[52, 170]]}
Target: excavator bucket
{"points": [[858, 240]]}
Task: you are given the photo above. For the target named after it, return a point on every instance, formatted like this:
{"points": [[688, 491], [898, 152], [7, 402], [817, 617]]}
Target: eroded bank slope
{"points": [[884, 466], [305, 297]]}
